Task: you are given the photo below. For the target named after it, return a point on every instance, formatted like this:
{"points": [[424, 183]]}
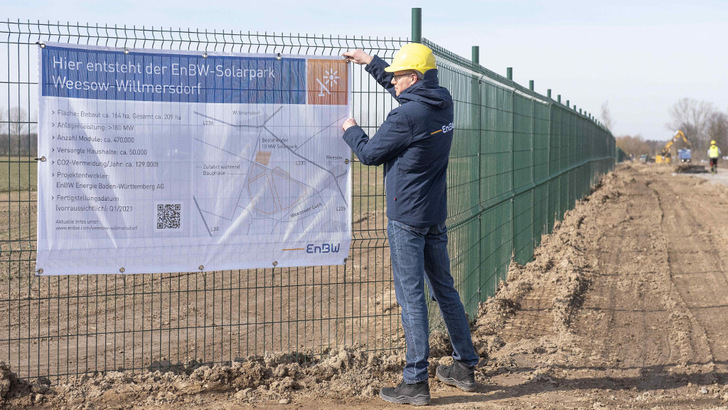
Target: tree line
{"points": [[700, 121], [18, 136]]}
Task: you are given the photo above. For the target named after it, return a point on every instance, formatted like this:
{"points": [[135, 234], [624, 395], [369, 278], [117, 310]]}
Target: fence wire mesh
{"points": [[518, 162]]}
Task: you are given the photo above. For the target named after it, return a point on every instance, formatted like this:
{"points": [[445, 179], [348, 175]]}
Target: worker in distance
{"points": [[413, 144], [714, 153]]}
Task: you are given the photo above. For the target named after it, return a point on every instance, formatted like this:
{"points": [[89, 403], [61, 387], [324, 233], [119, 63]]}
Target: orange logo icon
{"points": [[328, 82]]}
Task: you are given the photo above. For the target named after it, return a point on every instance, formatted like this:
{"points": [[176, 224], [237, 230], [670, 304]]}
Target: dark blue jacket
{"points": [[414, 145]]}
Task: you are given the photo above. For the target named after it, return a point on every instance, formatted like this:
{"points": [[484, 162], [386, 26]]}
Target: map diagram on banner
{"points": [[161, 161], [264, 169]]}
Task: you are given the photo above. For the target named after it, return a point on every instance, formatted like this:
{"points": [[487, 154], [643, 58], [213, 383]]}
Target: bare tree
{"points": [[18, 120], [606, 117], [717, 128], [692, 117]]}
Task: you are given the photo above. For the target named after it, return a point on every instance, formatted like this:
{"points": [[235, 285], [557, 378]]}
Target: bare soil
{"points": [[624, 306]]}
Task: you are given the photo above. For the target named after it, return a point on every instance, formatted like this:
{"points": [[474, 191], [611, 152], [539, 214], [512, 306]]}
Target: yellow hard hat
{"points": [[412, 56], [712, 142]]}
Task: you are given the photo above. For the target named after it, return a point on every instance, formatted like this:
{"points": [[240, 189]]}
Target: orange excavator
{"points": [[665, 156], [683, 155]]}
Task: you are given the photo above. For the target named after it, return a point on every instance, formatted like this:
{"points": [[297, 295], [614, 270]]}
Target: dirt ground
{"points": [[624, 306]]}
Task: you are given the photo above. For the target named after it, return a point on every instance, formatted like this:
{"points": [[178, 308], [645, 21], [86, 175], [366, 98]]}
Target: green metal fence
{"points": [[519, 160], [621, 155]]}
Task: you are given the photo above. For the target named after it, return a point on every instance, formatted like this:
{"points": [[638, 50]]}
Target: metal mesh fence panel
{"points": [[536, 158], [518, 162]]}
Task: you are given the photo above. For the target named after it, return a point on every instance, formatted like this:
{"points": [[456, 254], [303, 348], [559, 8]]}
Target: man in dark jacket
{"points": [[414, 145]]}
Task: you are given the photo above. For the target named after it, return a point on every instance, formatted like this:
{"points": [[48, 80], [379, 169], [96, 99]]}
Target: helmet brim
{"points": [[393, 69]]}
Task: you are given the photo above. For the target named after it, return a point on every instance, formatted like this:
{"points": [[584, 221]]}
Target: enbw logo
{"points": [[323, 248]]}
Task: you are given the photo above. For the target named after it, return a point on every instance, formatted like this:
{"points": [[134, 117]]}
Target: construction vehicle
{"points": [[684, 156], [665, 156]]}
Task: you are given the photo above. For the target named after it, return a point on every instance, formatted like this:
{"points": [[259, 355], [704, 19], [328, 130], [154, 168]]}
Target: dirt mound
{"points": [[561, 260], [14, 391], [684, 168], [340, 375]]}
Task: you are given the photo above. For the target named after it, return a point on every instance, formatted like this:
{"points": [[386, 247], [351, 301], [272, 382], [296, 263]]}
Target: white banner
{"points": [[174, 162]]}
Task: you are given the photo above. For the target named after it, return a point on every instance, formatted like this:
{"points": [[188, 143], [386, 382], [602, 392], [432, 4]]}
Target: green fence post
{"points": [[533, 167], [416, 25], [477, 122], [513, 165], [509, 75], [549, 226]]}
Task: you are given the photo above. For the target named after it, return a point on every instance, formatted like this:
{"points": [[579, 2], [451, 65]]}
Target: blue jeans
{"points": [[416, 252]]}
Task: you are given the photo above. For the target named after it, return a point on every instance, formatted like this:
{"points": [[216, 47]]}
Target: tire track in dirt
{"points": [[660, 289], [697, 261], [687, 334], [624, 315]]}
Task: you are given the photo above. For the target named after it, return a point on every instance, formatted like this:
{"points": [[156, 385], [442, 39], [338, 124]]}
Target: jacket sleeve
{"points": [[393, 137], [376, 69]]}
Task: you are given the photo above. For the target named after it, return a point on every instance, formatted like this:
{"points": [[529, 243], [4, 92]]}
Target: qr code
{"points": [[169, 216]]}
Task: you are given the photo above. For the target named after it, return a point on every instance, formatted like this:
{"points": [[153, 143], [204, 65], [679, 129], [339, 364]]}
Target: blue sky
{"points": [[639, 56]]}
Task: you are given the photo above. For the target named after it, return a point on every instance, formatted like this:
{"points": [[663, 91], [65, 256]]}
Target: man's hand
{"points": [[349, 123], [358, 56]]}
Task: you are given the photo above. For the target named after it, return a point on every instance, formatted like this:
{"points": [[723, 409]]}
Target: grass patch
{"points": [[18, 174]]}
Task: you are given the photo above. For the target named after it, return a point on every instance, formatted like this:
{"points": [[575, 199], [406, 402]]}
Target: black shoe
{"points": [[457, 374], [417, 394]]}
